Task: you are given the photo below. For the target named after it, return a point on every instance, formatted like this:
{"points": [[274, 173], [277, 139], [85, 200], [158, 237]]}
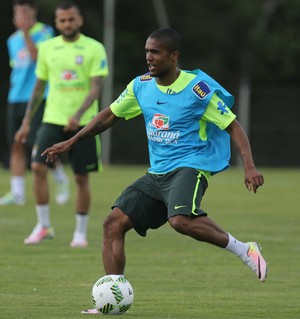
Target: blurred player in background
{"points": [[189, 124], [22, 47], [74, 66]]}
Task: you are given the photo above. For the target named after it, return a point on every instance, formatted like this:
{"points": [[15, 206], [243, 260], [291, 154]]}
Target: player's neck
{"points": [[74, 38], [169, 78]]}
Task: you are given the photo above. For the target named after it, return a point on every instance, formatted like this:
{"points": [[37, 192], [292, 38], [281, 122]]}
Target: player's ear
{"points": [[81, 21], [175, 55]]}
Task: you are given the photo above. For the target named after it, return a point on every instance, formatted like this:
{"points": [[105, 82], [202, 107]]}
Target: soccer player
{"points": [[74, 66], [22, 47], [188, 124]]}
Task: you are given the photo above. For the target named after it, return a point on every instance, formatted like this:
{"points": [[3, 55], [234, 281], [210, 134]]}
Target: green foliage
{"points": [[172, 275], [218, 35]]}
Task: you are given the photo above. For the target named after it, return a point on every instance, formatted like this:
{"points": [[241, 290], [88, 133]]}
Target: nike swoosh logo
{"points": [[159, 102], [179, 206], [90, 166], [259, 272]]}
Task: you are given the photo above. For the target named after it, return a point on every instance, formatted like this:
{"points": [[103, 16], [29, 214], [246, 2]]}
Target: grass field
{"points": [[173, 276]]}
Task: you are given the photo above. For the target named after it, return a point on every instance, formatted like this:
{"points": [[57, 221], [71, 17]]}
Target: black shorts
{"points": [[14, 117], [84, 156], [153, 199]]}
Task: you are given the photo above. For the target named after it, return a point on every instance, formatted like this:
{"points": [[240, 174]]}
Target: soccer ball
{"points": [[112, 295]]}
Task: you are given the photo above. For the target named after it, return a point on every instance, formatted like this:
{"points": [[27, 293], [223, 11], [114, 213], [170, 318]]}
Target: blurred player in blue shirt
{"points": [[22, 48]]}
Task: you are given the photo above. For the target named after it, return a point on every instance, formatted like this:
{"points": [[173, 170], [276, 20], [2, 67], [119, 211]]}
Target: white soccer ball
{"points": [[112, 295]]}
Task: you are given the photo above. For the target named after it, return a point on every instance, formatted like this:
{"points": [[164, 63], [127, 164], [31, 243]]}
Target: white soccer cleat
{"points": [[10, 199], [39, 234], [78, 243], [254, 260], [62, 192]]}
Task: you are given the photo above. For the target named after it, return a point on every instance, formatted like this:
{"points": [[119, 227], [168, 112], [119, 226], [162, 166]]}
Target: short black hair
{"points": [[67, 4], [30, 3], [171, 38]]}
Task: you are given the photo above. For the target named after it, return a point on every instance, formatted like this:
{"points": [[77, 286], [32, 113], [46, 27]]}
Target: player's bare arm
{"points": [[100, 123], [32, 106], [96, 84], [253, 178]]}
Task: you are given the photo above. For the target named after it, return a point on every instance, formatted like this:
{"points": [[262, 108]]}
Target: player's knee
{"points": [[38, 168], [116, 223], [179, 223], [108, 224], [81, 180]]}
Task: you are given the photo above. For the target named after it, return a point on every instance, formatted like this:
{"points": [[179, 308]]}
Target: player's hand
{"points": [[53, 152], [24, 20], [22, 133], [253, 179], [73, 125]]}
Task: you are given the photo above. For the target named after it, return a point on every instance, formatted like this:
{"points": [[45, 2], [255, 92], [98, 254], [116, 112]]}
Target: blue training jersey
{"points": [[22, 77], [178, 132]]}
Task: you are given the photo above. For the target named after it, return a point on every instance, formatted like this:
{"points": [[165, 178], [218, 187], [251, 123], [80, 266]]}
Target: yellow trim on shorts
{"points": [[98, 151], [207, 176], [195, 192]]}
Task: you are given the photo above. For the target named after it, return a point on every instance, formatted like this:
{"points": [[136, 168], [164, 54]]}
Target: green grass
{"points": [[172, 275]]}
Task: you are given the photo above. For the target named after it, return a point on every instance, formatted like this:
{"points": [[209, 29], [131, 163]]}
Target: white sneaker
{"points": [[10, 199], [38, 234], [254, 260], [78, 243], [62, 192]]}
